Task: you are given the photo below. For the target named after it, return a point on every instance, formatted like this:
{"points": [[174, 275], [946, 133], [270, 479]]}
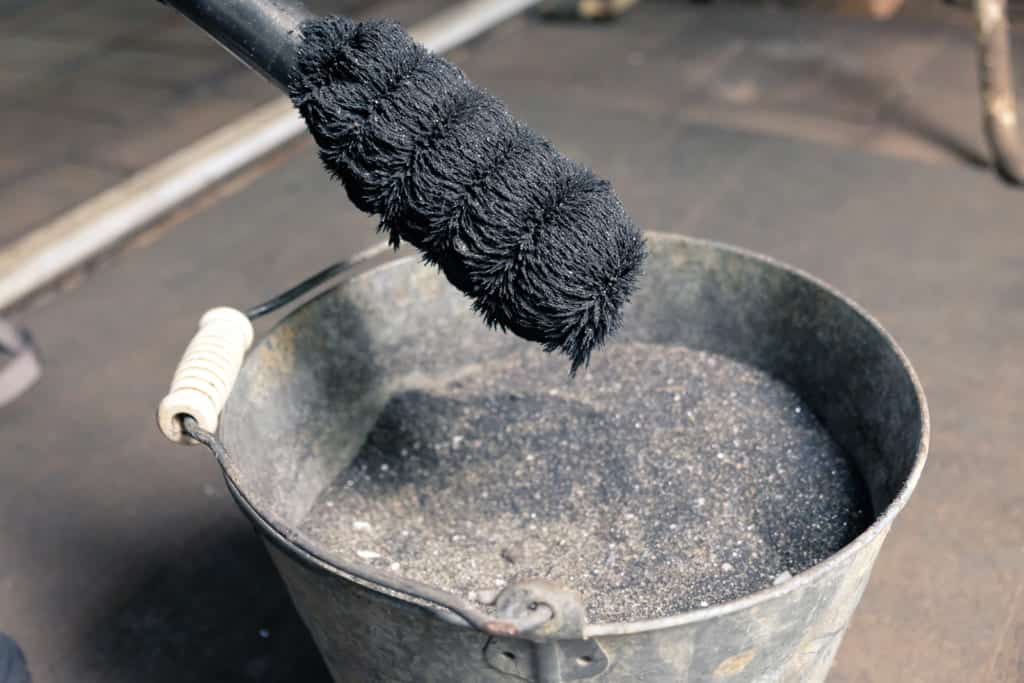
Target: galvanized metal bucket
{"points": [[308, 385]]}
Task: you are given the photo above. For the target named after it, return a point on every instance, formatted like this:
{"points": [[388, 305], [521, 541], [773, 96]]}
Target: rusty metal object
{"points": [[998, 96], [586, 9], [309, 388]]}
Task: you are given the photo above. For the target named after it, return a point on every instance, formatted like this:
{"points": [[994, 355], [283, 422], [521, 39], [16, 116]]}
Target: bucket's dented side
{"points": [[368, 637], [297, 416]]}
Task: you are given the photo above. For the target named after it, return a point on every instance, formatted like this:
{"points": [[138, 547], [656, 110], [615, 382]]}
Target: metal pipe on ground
{"points": [[998, 99], [87, 230]]}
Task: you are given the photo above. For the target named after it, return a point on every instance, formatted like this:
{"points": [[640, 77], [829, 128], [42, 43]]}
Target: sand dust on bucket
{"points": [[661, 480]]}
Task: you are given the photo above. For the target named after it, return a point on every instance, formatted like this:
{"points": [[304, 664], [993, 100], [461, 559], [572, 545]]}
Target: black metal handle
{"points": [[264, 34]]}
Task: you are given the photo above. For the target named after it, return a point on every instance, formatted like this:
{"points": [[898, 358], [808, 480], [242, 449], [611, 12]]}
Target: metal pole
{"points": [[460, 23], [998, 99], [263, 34]]}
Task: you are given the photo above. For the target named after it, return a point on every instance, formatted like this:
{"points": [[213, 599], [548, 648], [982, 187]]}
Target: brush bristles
{"points": [[542, 246]]}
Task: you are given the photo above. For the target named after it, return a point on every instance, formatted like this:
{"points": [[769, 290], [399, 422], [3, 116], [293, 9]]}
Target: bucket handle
{"points": [[210, 365], [206, 373], [189, 415]]}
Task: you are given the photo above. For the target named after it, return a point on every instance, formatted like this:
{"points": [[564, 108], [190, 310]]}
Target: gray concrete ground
{"points": [[842, 147]]}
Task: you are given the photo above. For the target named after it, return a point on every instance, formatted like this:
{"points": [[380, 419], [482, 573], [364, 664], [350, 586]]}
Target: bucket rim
{"points": [[290, 540]]}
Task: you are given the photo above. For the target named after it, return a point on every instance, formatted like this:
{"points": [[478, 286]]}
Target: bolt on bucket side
{"points": [[308, 390]]}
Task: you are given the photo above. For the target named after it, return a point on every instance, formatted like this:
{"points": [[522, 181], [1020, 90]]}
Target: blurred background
{"points": [[843, 136], [97, 89]]}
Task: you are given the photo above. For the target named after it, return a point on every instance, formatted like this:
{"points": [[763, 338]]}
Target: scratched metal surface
{"points": [[309, 391]]}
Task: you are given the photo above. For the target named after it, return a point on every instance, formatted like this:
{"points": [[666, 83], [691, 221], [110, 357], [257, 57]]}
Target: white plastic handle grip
{"points": [[206, 373]]}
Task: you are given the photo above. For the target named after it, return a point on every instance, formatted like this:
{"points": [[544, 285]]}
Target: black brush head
{"points": [[541, 245]]}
